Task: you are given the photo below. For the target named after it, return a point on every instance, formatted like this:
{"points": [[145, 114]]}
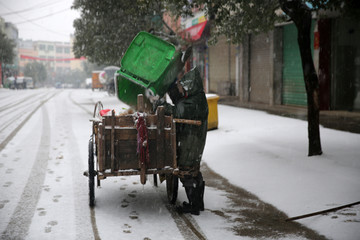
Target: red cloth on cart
{"points": [[142, 139]]}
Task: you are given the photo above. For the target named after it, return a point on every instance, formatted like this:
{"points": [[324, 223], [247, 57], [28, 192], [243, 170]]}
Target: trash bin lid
{"points": [[147, 57]]}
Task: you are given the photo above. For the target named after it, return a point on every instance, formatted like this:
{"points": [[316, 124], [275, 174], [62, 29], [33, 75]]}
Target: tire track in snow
{"points": [[17, 129], [186, 224], [79, 105], [79, 199], [14, 112], [20, 221], [17, 103]]}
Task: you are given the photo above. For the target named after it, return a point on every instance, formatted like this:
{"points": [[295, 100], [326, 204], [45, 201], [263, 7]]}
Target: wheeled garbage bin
{"points": [[150, 65]]}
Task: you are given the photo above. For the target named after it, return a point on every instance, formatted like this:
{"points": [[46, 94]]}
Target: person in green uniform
{"points": [[188, 96]]}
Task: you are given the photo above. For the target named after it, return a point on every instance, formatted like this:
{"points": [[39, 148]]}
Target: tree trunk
{"points": [[301, 15]]}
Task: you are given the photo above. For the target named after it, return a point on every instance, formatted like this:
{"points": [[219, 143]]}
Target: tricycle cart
{"points": [[133, 144]]}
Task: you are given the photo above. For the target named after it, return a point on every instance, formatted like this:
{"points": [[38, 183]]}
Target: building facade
{"points": [[12, 33], [267, 69], [75, 64], [26, 48], [57, 57]]}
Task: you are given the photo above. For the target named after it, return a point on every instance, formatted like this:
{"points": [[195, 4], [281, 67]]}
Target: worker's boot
{"points": [[197, 201], [188, 192], [193, 206], [200, 197], [201, 200], [200, 194]]}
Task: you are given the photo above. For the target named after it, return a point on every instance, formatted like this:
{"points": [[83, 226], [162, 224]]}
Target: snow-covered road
{"points": [[44, 137], [44, 193]]}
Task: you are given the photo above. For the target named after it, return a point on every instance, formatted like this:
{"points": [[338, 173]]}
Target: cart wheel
{"points": [[155, 180], [91, 174], [98, 107], [142, 174], [172, 185]]}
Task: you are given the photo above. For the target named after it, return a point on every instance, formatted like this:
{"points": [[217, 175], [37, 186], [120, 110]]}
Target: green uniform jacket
{"points": [[190, 138]]}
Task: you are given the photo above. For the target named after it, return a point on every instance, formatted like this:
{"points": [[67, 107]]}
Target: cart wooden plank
{"points": [[116, 138]]}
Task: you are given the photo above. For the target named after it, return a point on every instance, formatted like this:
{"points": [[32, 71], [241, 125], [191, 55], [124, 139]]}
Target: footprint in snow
{"points": [[7, 184], [126, 228], [124, 203], [134, 215], [58, 178], [3, 203], [46, 188], [132, 195], [52, 223], [56, 198], [41, 211]]}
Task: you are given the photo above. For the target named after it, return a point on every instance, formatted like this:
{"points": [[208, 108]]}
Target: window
{"points": [[42, 47], [67, 50], [50, 48], [59, 49]]}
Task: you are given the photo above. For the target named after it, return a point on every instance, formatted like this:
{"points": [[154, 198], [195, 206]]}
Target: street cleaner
{"points": [[188, 96], [151, 67]]}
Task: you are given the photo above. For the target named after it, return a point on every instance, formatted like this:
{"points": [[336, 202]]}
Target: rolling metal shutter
{"points": [[293, 92]]}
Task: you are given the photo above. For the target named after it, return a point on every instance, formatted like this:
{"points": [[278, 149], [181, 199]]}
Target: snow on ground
{"points": [[267, 155], [262, 153]]}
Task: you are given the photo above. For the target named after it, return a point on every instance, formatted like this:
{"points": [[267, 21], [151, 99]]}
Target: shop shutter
{"points": [[293, 91]]}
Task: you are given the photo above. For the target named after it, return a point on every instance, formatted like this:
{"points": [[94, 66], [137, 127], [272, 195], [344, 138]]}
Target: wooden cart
{"points": [[121, 149]]}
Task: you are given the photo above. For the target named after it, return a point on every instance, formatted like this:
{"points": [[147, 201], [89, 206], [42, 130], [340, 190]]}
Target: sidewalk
{"points": [[267, 156], [339, 120]]}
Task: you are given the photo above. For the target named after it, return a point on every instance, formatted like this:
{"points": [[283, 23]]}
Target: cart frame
{"points": [[114, 144]]}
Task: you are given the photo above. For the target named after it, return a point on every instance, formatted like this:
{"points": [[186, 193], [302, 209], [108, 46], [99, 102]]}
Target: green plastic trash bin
{"points": [[149, 66]]}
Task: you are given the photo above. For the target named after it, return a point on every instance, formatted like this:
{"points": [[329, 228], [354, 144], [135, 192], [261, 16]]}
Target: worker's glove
{"points": [[158, 103], [151, 96]]}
